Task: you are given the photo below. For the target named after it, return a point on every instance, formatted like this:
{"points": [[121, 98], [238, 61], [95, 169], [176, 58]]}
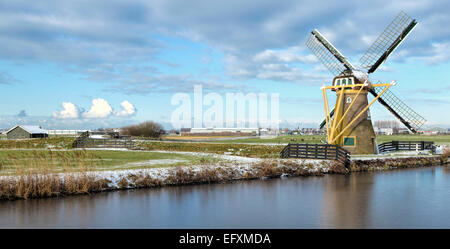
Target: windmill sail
{"points": [[405, 114], [387, 42], [328, 54]]}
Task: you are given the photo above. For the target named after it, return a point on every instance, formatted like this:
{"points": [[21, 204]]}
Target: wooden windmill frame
{"points": [[351, 118]]}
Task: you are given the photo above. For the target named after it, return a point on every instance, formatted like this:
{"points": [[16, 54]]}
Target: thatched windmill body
{"points": [[349, 124]]}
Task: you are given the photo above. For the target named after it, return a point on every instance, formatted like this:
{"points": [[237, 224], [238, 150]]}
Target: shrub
{"points": [[145, 129]]}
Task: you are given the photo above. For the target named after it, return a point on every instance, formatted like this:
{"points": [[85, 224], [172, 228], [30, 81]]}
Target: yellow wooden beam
{"points": [[336, 113], [327, 113], [365, 109], [353, 101]]}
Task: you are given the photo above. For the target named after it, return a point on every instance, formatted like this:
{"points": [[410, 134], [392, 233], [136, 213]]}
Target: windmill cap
{"points": [[361, 76]]}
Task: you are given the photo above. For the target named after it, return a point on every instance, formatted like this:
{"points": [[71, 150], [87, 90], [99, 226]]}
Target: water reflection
{"points": [[347, 201], [413, 198]]}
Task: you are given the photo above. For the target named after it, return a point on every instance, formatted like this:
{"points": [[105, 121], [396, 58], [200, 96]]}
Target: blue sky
{"points": [[113, 63]]}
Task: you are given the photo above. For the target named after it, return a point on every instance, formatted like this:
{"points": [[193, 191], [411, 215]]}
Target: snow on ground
{"points": [[219, 156], [118, 149], [240, 165], [115, 176], [393, 155], [156, 161]]}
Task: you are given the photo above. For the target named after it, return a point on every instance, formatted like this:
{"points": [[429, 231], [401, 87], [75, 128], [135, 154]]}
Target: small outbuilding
{"points": [[26, 131]]}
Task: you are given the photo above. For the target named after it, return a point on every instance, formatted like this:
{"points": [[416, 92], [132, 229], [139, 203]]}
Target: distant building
{"points": [[26, 131], [384, 131], [185, 131], [69, 133], [404, 131], [430, 132]]}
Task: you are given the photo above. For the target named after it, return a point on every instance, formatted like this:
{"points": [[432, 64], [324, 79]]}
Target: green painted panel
{"points": [[349, 141]]}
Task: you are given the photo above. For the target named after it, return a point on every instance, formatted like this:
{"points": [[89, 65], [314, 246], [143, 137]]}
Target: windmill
{"points": [[348, 124]]}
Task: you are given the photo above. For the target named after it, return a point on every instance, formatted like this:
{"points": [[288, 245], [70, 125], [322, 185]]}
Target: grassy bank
{"points": [[39, 143], [68, 142], [250, 150], [38, 174], [314, 139], [44, 183], [396, 163], [13, 162], [438, 139]]}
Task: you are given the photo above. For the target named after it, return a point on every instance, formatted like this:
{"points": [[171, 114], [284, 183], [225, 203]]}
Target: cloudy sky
{"points": [[91, 64]]}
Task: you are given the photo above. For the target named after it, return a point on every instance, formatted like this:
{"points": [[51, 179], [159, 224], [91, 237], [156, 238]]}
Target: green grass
{"points": [[314, 139], [438, 139], [39, 143], [11, 160], [246, 150]]}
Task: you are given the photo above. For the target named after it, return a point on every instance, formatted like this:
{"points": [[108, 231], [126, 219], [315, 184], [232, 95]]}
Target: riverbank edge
{"points": [[383, 164], [74, 183]]}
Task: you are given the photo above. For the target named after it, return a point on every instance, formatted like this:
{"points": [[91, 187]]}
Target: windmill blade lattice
{"points": [[386, 43], [328, 54], [405, 114]]}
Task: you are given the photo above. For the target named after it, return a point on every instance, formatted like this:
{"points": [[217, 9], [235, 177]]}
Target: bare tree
{"points": [[145, 129]]}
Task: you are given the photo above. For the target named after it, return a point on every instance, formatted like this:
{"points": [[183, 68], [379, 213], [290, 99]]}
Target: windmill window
{"points": [[350, 81], [338, 82], [349, 141], [344, 82], [349, 100]]}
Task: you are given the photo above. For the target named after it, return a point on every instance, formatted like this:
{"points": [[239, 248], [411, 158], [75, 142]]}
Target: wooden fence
{"points": [[316, 151], [406, 145], [83, 142]]}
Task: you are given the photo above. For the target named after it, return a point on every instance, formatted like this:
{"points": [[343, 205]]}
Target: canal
{"points": [[407, 198]]}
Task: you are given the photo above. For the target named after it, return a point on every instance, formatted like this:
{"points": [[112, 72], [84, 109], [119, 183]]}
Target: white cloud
{"points": [[287, 65], [439, 52], [286, 56], [262, 36], [128, 109], [69, 111], [100, 109]]}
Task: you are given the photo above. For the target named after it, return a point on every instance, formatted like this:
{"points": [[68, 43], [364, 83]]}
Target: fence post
{"points": [[337, 152]]}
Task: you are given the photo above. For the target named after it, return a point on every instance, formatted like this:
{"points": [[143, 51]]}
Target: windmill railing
{"points": [[316, 151], [406, 146]]}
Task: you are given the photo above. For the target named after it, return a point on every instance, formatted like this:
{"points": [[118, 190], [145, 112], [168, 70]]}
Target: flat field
{"points": [[13, 161], [47, 153], [437, 139], [285, 139]]}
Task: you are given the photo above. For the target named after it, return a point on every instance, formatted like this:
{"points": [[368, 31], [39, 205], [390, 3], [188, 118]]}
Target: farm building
{"points": [[26, 131]]}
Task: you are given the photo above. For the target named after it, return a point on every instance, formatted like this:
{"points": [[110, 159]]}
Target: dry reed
{"points": [[56, 173], [49, 173], [385, 164]]}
